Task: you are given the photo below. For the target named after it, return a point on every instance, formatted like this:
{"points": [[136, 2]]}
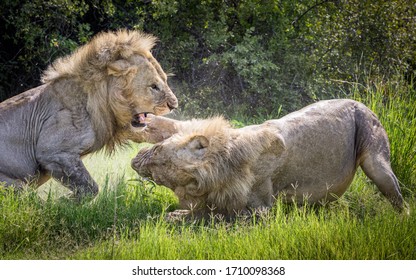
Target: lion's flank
{"points": [[90, 61]]}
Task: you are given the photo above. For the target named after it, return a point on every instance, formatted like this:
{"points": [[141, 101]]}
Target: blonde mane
{"points": [[89, 62], [225, 173], [88, 68], [214, 126]]}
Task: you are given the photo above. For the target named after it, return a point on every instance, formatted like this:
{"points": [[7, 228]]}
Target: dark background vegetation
{"points": [[236, 57]]}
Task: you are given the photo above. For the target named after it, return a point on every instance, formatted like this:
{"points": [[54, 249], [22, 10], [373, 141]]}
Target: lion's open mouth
{"points": [[139, 120]]}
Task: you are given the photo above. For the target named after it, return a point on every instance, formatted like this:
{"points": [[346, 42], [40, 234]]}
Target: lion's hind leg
{"points": [[377, 168], [373, 152], [6, 181]]}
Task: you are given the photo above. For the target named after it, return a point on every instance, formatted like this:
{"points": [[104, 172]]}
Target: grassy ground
{"points": [[126, 220], [360, 226], [128, 223]]}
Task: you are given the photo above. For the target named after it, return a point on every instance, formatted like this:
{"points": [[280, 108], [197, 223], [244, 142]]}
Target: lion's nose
{"points": [[172, 103], [135, 163]]}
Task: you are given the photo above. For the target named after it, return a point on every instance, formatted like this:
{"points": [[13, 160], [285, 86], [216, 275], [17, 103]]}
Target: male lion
{"points": [[309, 155], [96, 97]]}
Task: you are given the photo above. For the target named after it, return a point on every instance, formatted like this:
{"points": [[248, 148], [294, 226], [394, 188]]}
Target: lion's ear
{"points": [[119, 68], [198, 145]]}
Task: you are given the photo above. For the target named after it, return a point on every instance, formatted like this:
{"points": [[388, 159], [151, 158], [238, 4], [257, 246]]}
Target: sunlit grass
{"points": [[126, 221], [347, 229]]}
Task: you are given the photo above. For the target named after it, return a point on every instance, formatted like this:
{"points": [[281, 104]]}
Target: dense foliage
{"points": [[246, 57]]}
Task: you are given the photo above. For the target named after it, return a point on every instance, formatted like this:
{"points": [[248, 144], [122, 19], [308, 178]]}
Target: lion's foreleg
{"points": [[261, 195], [158, 129], [73, 174]]}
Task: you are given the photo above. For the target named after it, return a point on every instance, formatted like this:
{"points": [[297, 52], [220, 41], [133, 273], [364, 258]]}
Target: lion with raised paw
{"points": [[310, 155], [98, 97]]}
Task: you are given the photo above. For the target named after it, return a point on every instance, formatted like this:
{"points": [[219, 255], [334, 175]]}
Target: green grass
{"points": [[129, 224], [126, 220], [287, 233]]}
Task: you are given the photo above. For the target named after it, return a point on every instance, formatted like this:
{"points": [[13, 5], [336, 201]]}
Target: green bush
{"points": [[247, 57]]}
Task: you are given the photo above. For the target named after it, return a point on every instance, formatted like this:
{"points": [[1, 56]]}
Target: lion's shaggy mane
{"points": [[88, 66]]}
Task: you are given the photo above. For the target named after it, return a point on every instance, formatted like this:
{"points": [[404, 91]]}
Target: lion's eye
{"points": [[154, 87]]}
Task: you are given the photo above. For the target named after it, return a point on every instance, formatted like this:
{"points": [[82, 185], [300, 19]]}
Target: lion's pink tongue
{"points": [[142, 117]]}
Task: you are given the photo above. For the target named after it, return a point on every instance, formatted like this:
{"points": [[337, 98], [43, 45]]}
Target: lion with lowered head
{"points": [[309, 155], [95, 98]]}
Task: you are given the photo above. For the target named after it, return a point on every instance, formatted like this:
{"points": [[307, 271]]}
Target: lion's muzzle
{"points": [[166, 105], [172, 101], [141, 162]]}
